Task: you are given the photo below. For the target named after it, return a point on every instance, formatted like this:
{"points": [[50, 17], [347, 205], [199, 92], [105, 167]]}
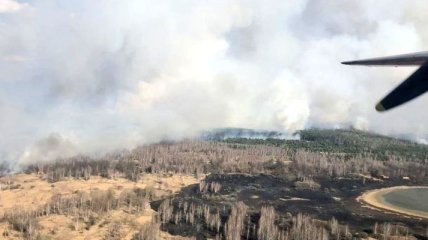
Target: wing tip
{"points": [[348, 62], [380, 107]]}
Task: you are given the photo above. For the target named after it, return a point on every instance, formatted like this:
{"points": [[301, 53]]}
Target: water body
{"points": [[410, 199]]}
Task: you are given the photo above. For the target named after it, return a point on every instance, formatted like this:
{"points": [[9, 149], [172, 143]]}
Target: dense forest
{"points": [[350, 143]]}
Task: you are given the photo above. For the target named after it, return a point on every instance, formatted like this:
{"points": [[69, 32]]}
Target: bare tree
{"points": [[267, 228], [149, 231], [235, 223]]}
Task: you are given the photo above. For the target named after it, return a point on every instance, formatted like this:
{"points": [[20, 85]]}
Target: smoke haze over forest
{"points": [[93, 76]]}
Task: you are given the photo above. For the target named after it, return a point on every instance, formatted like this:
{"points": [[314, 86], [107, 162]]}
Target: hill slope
{"points": [[348, 142]]}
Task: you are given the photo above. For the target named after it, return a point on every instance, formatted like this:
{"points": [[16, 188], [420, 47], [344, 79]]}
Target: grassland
{"points": [[29, 192]]}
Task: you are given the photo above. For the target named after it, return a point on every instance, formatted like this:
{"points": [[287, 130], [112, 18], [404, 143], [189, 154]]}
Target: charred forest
{"points": [[249, 188]]}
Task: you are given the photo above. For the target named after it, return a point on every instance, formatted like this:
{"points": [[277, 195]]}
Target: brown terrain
{"points": [[29, 192], [249, 189]]}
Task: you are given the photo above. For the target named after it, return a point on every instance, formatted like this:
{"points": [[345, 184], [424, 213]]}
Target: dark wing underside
{"points": [[413, 59], [413, 87]]}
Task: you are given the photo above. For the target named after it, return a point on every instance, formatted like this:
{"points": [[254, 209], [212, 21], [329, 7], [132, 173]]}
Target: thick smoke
{"points": [[52, 147], [92, 76]]}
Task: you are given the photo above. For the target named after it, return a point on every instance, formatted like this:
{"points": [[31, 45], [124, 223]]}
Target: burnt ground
{"points": [[335, 198]]}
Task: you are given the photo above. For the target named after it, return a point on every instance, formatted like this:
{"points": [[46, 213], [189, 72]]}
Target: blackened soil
{"points": [[335, 198]]}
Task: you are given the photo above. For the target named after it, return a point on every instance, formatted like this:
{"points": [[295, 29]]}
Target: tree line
{"points": [[202, 157]]}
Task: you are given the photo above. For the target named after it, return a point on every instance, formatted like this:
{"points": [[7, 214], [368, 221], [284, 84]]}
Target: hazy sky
{"points": [[92, 76]]}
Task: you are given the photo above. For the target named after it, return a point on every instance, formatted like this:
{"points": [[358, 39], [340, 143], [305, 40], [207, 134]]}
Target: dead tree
{"points": [[235, 223]]}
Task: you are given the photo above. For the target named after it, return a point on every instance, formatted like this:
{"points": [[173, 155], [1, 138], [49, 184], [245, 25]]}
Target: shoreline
{"points": [[373, 198]]}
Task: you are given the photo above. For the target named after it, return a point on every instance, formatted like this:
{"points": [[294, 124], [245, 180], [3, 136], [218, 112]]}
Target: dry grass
{"points": [[29, 191]]}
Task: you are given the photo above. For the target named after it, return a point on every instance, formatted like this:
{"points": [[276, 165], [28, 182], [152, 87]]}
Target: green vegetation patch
{"points": [[350, 143]]}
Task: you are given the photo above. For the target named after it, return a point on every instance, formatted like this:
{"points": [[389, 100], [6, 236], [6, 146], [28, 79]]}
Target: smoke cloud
{"points": [[10, 6], [93, 76]]}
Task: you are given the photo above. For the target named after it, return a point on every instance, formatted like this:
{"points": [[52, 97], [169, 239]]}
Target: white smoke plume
{"points": [[10, 6], [108, 74]]}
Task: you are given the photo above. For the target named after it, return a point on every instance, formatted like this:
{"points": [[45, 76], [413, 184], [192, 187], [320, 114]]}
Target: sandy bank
{"points": [[374, 199]]}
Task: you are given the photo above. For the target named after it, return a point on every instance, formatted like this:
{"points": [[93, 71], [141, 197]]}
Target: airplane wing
{"points": [[412, 87], [398, 60]]}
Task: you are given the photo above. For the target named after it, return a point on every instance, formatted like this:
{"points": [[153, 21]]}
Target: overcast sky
{"points": [[93, 76]]}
